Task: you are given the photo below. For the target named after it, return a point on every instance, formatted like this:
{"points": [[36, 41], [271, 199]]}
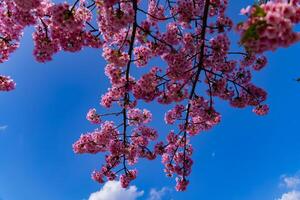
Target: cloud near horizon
{"points": [[293, 184], [112, 190], [291, 195], [158, 194]]}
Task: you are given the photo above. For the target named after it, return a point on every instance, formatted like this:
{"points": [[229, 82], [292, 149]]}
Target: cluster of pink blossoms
{"points": [[93, 117], [178, 162], [176, 113], [6, 83], [195, 47], [57, 26], [146, 87], [137, 117], [198, 65], [270, 25], [10, 29], [99, 140], [112, 19], [63, 26], [125, 147]]}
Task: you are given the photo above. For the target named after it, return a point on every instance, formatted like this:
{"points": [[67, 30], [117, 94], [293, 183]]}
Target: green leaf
{"points": [[250, 33], [259, 12]]}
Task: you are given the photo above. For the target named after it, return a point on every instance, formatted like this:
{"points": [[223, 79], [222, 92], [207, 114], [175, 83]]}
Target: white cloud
{"points": [[292, 195], [3, 128], [158, 194], [292, 184], [112, 190], [291, 181]]}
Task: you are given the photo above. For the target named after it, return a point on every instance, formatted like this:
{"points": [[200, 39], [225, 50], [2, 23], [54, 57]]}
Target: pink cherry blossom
{"points": [[270, 26], [6, 83], [197, 67], [97, 176], [261, 109], [137, 117], [93, 117]]}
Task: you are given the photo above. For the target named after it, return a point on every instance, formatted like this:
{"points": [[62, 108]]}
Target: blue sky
{"points": [[246, 157]]}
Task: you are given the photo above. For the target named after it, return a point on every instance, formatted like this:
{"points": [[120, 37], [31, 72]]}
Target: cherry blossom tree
{"points": [[198, 66]]}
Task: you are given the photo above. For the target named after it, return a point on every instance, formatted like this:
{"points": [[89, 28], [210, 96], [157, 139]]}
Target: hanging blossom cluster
{"points": [[198, 66], [6, 83], [57, 27], [63, 27], [190, 38], [270, 25]]}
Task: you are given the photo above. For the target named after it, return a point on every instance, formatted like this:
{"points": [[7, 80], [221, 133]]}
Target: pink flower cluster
{"points": [[189, 37], [134, 138], [93, 117], [177, 159], [112, 20], [64, 29], [142, 55], [138, 117], [115, 57], [261, 109], [97, 141], [172, 115], [125, 179], [108, 139], [10, 29], [146, 87], [270, 25], [186, 11], [156, 12], [193, 56], [203, 116], [6, 83]]}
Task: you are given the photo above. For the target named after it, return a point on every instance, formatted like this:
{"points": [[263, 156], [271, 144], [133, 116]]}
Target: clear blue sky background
{"points": [[240, 159]]}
